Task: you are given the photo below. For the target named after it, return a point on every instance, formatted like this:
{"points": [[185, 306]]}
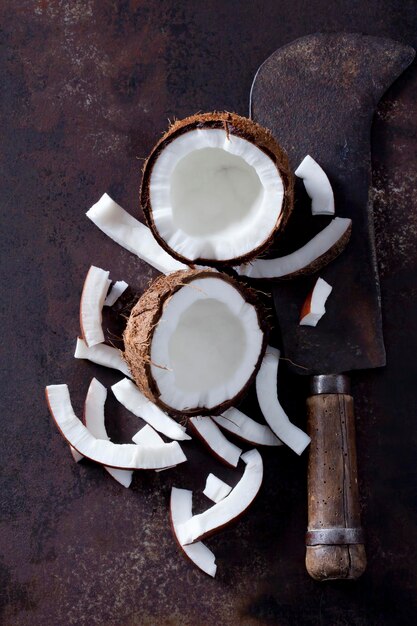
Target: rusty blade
{"points": [[318, 95]]}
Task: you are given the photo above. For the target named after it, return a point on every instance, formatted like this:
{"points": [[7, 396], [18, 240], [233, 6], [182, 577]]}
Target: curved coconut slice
{"points": [[116, 291], [216, 489], [266, 390], [95, 288], [194, 342], [181, 511], [123, 456], [147, 436], [102, 355], [95, 422], [244, 427], [216, 188], [129, 233], [129, 395], [216, 442], [229, 509], [317, 253], [314, 306], [317, 186]]}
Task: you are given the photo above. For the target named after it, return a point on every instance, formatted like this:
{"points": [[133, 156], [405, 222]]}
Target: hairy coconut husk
{"points": [[143, 320], [234, 125]]}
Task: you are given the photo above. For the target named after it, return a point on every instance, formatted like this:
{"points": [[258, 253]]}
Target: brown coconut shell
{"points": [[234, 125], [143, 320]]}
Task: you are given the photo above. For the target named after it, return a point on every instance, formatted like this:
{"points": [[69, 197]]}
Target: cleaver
{"points": [[318, 95]]}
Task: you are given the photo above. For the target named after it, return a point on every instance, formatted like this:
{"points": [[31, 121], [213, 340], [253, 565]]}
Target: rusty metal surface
{"points": [[86, 88], [318, 95]]}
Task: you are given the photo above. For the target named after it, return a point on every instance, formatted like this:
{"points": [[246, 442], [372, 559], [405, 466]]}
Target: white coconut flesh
{"points": [[95, 422], [317, 186], [134, 401], [244, 427], [216, 489], [205, 346], [131, 234], [76, 455], [123, 456], [231, 507], [214, 195], [94, 293], [116, 291], [101, 354], [274, 414], [301, 258], [147, 436], [314, 307], [181, 511], [214, 439]]}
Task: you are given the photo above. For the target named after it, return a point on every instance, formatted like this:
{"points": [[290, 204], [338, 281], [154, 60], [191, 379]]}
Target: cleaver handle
{"points": [[334, 540]]}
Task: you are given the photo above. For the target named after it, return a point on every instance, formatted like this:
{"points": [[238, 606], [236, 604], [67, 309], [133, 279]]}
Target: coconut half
{"points": [[123, 456], [245, 428], [212, 437], [266, 391], [181, 511], [317, 186], [194, 342], [216, 489], [314, 305], [216, 189], [317, 253], [228, 509]]}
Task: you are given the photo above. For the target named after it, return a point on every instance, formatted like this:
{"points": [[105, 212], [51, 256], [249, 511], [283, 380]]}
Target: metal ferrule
{"points": [[329, 383]]}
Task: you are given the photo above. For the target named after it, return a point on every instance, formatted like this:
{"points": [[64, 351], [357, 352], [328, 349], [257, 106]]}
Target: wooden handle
{"points": [[334, 539]]}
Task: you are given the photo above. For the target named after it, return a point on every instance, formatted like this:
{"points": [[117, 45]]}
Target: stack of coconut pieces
{"points": [[216, 190]]}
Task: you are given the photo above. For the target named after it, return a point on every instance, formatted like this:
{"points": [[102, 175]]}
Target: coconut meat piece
{"points": [[131, 234], [214, 195], [317, 186], [147, 436], [95, 422], [314, 306], [181, 512], [231, 507], [321, 249], [116, 291], [94, 292], [266, 391], [247, 429], [101, 354], [211, 435], [205, 346], [134, 401], [123, 456], [216, 489]]}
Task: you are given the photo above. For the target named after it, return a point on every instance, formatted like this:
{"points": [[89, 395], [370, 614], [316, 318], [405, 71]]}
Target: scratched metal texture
{"points": [[87, 87]]}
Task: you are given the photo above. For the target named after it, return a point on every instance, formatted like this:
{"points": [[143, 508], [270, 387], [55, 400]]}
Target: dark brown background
{"points": [[87, 87]]}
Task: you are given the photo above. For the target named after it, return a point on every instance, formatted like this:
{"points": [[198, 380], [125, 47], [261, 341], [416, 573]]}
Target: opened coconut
{"points": [[216, 189], [194, 342]]}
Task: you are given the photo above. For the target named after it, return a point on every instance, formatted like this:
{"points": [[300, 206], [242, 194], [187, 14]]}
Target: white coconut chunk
{"points": [[147, 436], [123, 456], [266, 390], [117, 290], [206, 345], [231, 507], [314, 307], [213, 438], [102, 355], [244, 427], [131, 234], [214, 195], [129, 395], [95, 422], [76, 455], [317, 186], [216, 489], [181, 511], [95, 288], [301, 258]]}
